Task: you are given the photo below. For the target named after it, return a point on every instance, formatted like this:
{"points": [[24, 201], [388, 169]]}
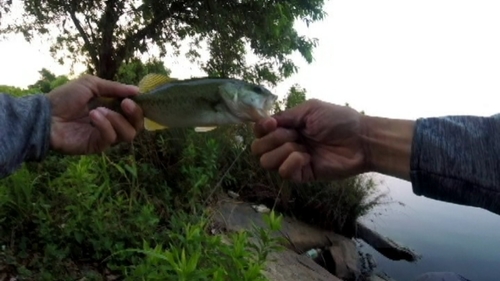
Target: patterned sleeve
{"points": [[24, 130], [457, 159]]}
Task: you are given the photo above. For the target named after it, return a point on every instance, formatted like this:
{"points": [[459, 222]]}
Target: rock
{"points": [[384, 245], [288, 265], [237, 215], [345, 258]]}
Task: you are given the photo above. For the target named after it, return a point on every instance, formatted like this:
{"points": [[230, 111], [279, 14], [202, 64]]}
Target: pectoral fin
{"points": [[150, 125], [204, 129]]}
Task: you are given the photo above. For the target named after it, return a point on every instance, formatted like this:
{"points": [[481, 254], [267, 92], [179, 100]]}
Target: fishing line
{"points": [[225, 173]]}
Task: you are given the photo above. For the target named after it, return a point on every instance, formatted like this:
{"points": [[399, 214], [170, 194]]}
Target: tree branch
{"points": [[88, 45], [130, 39]]}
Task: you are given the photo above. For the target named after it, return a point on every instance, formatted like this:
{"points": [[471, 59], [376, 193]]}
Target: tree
{"points": [[296, 95], [48, 81], [105, 33], [43, 84], [134, 70], [16, 91]]}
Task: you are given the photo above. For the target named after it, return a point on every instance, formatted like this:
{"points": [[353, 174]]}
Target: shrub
{"points": [[96, 216]]}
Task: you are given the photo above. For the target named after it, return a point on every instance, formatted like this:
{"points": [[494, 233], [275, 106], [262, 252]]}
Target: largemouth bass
{"points": [[201, 103]]}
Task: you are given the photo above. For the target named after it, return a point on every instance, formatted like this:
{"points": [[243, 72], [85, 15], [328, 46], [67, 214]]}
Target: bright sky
{"points": [[401, 59]]}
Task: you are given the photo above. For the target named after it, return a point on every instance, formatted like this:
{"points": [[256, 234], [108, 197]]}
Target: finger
{"points": [[264, 127], [107, 88], [294, 117], [273, 140], [105, 135], [275, 158], [292, 167], [122, 128], [134, 114]]}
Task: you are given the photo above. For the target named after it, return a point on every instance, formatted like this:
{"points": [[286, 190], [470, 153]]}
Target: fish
{"points": [[201, 103]]}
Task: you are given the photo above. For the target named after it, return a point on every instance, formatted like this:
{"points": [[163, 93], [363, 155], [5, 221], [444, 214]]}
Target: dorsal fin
{"points": [[152, 81]]}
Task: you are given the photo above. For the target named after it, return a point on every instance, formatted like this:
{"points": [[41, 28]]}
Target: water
{"points": [[449, 237]]}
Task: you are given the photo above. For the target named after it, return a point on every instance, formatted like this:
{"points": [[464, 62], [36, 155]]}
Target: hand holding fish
{"points": [[313, 141], [317, 140], [76, 130]]}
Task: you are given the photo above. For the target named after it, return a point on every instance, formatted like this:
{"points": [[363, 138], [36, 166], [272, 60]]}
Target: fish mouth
{"points": [[264, 110], [253, 111]]}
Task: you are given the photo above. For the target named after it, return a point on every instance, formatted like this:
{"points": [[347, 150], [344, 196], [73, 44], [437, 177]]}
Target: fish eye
{"points": [[258, 89]]}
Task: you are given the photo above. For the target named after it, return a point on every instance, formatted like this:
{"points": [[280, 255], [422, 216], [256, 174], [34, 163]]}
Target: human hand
{"points": [[313, 141], [75, 130]]}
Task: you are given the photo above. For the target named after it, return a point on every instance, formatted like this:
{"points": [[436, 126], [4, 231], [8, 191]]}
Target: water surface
{"points": [[449, 237]]}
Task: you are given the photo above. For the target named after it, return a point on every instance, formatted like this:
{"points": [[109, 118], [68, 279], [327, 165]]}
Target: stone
{"points": [[288, 265], [345, 258], [236, 215]]}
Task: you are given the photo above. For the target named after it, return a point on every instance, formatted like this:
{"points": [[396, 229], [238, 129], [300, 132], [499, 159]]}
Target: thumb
{"points": [[108, 88], [293, 117]]}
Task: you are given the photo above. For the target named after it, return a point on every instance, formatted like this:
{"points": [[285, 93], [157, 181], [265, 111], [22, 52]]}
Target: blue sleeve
{"points": [[457, 159], [24, 130]]}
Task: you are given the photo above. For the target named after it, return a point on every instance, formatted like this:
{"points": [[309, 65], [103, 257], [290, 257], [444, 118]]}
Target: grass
{"points": [[139, 212]]}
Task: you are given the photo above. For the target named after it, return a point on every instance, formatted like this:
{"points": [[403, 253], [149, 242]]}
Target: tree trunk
{"points": [[107, 68]]}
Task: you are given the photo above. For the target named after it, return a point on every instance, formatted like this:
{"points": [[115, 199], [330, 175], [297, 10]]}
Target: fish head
{"points": [[247, 101]]}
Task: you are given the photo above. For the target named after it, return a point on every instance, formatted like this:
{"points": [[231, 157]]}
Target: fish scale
{"points": [[202, 103]]}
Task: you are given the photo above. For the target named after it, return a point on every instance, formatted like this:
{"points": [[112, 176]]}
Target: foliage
{"points": [[133, 70], [75, 217], [43, 84], [16, 91], [69, 211], [295, 96], [104, 34], [198, 256]]}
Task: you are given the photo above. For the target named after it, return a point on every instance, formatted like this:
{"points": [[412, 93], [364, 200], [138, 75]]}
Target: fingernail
{"points": [[128, 105], [102, 110], [97, 114]]}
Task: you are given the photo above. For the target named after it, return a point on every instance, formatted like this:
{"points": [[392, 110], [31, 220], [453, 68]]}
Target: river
{"points": [[449, 237]]}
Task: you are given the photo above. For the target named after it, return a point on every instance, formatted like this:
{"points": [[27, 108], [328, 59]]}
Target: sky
{"points": [[396, 59]]}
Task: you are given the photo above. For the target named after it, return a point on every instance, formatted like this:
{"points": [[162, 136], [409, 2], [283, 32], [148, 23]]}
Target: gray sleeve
{"points": [[24, 130], [457, 159]]}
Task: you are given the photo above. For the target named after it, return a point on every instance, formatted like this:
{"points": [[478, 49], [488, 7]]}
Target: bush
{"points": [[74, 212], [96, 216]]}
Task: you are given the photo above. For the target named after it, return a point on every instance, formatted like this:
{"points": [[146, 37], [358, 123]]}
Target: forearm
{"points": [[24, 130], [388, 144], [454, 159]]}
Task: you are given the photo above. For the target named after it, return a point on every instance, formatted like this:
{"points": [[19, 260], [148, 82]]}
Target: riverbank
{"points": [[310, 253]]}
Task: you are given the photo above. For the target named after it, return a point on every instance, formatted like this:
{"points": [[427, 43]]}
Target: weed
{"points": [[138, 211]]}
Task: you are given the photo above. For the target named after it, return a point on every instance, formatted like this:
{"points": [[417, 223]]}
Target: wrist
{"points": [[387, 145]]}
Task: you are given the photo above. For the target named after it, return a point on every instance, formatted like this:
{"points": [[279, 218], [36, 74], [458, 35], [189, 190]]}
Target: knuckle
{"points": [[314, 102], [87, 78]]}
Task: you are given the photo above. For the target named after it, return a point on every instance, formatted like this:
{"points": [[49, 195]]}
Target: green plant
{"points": [[62, 217], [194, 254]]}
